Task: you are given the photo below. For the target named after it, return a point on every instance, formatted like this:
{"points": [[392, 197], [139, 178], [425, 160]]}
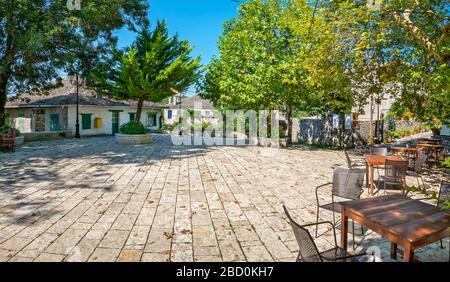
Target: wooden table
{"points": [[371, 162], [435, 148], [396, 150], [403, 221]]}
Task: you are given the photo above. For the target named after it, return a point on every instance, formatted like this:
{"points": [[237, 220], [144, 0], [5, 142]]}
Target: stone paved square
{"points": [[94, 200]]}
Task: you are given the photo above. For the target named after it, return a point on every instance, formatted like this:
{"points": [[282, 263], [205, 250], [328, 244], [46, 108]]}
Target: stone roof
{"points": [[190, 102], [66, 95]]}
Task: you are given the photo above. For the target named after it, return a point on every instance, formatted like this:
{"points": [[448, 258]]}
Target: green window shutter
{"points": [[132, 116], [7, 119], [86, 121]]}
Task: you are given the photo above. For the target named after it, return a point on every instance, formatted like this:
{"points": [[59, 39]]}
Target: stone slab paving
{"points": [[94, 200]]}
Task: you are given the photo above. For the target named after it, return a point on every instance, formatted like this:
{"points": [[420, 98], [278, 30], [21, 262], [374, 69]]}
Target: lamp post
{"points": [[77, 83]]}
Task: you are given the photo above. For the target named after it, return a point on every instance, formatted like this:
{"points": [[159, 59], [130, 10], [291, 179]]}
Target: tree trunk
{"points": [[290, 113], [3, 92], [137, 119], [371, 133]]}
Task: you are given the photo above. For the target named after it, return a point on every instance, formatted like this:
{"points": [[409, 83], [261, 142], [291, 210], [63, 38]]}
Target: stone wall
{"points": [[320, 131]]}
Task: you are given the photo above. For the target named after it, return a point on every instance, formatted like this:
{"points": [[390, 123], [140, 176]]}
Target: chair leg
{"points": [[298, 257], [317, 220], [442, 244], [353, 234]]}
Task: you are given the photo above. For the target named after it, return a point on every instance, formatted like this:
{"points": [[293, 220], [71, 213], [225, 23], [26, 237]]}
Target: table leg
{"points": [[371, 180], [408, 254], [367, 175], [394, 249], [344, 229]]}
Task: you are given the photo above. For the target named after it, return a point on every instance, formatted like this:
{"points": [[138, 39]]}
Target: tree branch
{"points": [[405, 21]]}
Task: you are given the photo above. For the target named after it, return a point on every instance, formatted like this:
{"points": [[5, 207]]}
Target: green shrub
{"points": [[133, 128], [5, 128], [446, 163]]}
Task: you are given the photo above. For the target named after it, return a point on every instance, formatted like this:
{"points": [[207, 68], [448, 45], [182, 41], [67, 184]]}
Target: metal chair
{"points": [[308, 251], [349, 161], [444, 196], [446, 144], [395, 174], [418, 167], [348, 185], [382, 151]]}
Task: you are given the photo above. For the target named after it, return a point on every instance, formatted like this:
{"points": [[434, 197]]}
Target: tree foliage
{"points": [[40, 39]]}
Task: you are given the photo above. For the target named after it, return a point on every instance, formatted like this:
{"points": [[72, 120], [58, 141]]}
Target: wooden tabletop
{"points": [[430, 145], [380, 160], [401, 220]]}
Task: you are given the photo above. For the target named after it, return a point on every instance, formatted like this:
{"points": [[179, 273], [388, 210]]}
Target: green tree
{"points": [[156, 67], [40, 39], [258, 67], [418, 33]]}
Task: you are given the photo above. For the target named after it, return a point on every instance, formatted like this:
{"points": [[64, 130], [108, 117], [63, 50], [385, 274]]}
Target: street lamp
{"points": [[77, 82]]}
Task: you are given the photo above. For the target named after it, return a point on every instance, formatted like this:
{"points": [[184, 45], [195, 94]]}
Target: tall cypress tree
{"points": [[155, 67]]}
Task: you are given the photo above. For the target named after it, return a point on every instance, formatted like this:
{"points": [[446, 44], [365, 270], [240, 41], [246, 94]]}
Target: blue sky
{"points": [[199, 21]]}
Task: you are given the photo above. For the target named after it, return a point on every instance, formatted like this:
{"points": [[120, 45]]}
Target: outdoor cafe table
{"points": [[409, 223], [375, 160], [434, 147]]}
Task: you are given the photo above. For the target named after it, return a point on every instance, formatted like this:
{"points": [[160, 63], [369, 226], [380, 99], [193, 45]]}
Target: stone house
{"points": [[55, 113], [204, 109]]}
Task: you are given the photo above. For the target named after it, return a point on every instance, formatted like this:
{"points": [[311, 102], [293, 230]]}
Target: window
{"points": [[86, 121], [132, 116], [169, 114], [151, 120], [6, 118]]}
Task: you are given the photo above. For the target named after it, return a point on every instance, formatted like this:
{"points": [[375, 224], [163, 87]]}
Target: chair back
{"points": [[348, 183], [307, 248], [396, 170], [349, 161], [381, 151], [444, 193], [421, 160]]}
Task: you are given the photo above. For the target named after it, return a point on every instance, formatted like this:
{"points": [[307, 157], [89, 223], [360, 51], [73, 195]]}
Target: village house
{"points": [[204, 109], [55, 113]]}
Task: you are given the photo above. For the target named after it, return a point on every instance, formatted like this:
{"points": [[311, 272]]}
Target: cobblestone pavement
{"points": [[93, 200]]}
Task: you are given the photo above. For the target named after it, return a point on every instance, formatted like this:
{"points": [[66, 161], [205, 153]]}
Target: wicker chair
{"points": [[395, 174], [347, 185], [418, 167], [308, 251]]}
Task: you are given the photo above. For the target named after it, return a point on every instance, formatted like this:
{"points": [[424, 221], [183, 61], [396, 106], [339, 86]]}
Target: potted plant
{"points": [[133, 133], [389, 138], [19, 136]]}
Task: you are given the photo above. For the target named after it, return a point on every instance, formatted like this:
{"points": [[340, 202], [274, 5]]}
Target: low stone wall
{"points": [[47, 135]]}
